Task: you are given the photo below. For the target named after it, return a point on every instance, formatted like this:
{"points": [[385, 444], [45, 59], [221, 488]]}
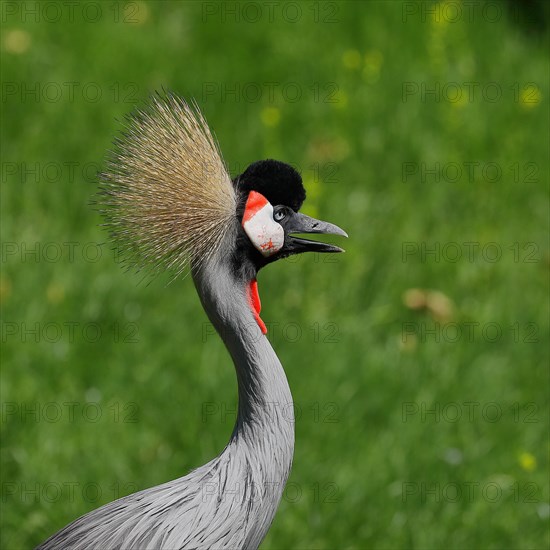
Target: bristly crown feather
{"points": [[166, 195]]}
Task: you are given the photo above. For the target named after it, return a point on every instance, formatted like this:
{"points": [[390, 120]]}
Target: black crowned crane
{"points": [[169, 203]]}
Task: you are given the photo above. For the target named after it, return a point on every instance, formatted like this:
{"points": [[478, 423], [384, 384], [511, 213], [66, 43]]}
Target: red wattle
{"points": [[255, 304]]}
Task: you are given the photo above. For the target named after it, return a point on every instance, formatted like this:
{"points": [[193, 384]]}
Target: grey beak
{"points": [[300, 223]]}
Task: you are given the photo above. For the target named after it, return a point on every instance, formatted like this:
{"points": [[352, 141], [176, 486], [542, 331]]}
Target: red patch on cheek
{"points": [[255, 202], [255, 304]]}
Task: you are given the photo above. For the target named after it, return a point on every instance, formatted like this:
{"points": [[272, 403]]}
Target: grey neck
{"points": [[265, 414]]}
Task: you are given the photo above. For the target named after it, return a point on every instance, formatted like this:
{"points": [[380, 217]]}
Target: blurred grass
{"points": [[360, 481]]}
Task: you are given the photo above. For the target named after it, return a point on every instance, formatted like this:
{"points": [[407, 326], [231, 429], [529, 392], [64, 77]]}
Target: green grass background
{"points": [[364, 475]]}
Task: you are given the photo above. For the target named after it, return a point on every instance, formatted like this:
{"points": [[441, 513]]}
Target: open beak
{"points": [[300, 223]]}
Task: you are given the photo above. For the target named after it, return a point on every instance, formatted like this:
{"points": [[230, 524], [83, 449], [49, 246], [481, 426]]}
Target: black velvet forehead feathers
{"points": [[278, 182]]}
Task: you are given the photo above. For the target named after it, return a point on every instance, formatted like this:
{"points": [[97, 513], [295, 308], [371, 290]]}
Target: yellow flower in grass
{"points": [[530, 96], [339, 99], [17, 41], [55, 293], [136, 13], [527, 461], [270, 116], [460, 101], [351, 59]]}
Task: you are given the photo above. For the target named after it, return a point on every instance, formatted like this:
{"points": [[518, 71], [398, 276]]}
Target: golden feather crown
{"points": [[166, 195]]}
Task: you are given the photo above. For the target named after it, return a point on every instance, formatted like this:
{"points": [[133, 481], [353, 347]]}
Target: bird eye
{"points": [[279, 214]]}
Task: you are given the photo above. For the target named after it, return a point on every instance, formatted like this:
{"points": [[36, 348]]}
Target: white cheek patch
{"points": [[264, 232]]}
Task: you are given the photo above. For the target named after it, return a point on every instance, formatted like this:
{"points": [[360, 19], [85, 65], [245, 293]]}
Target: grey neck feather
{"points": [[263, 436]]}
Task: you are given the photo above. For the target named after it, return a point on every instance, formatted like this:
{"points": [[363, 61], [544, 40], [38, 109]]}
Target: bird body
{"points": [[230, 502]]}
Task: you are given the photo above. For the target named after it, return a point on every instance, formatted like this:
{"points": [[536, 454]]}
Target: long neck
{"points": [[265, 421]]}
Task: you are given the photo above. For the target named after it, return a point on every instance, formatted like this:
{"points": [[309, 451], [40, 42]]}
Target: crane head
{"points": [[169, 203], [271, 194]]}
